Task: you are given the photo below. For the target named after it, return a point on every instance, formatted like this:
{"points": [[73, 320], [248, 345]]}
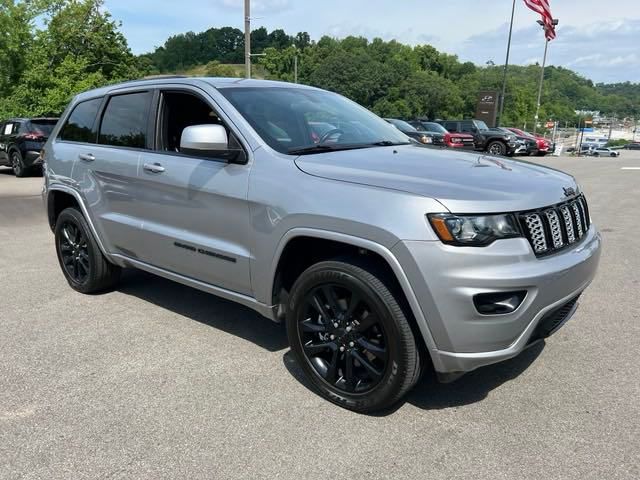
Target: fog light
{"points": [[498, 303]]}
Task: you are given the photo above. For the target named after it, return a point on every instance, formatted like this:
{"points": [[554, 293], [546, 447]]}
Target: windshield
{"points": [[481, 125], [434, 127], [401, 125], [293, 119]]}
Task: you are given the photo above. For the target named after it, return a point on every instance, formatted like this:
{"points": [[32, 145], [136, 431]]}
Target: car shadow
{"points": [[205, 308], [243, 322], [429, 394]]}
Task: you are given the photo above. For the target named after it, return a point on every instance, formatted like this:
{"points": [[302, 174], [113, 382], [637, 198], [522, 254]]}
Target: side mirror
{"points": [[209, 141]]}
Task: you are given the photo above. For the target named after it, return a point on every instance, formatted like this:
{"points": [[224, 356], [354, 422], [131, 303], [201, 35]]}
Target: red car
{"points": [[544, 145], [441, 136]]}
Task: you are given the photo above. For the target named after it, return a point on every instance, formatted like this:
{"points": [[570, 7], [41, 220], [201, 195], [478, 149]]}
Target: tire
{"points": [[497, 148], [328, 354], [596, 154], [81, 261], [17, 164]]}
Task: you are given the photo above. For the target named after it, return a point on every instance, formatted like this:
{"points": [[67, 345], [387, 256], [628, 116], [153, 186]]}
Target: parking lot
{"points": [[156, 380]]}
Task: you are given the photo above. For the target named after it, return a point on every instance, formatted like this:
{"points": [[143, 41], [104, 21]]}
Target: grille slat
{"points": [[554, 228]]}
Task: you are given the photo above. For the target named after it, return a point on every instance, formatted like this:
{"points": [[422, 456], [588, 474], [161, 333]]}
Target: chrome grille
{"points": [[536, 231], [554, 228], [554, 225], [566, 215]]}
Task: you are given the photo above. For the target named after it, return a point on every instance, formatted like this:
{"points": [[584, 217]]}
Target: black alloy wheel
{"points": [[343, 339], [84, 266], [497, 148], [350, 335], [74, 252], [17, 165]]}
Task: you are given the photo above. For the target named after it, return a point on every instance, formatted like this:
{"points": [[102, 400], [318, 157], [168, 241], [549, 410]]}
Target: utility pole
{"points": [[247, 38], [506, 65]]}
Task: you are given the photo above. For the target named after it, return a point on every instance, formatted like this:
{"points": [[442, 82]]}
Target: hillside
{"points": [[390, 78]]}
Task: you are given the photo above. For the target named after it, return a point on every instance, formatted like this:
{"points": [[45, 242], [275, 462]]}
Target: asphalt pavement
{"points": [[156, 380]]}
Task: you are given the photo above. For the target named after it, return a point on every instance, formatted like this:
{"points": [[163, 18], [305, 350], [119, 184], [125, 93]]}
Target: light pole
{"points": [[506, 65], [544, 63]]}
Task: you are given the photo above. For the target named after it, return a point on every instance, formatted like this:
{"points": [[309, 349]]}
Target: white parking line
{"points": [[630, 168]]}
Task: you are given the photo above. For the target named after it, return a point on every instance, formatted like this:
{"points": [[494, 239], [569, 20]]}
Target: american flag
{"points": [[542, 7]]}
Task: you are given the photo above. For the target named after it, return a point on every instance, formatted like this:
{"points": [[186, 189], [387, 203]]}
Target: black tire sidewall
{"points": [[72, 215], [385, 393]]}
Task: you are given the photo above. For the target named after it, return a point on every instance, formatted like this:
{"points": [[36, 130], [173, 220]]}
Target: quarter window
{"points": [[80, 127], [124, 123]]}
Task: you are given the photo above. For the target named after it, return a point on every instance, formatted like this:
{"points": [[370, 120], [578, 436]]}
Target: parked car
{"points": [[526, 145], [604, 152], [382, 257], [544, 146], [442, 137], [411, 131], [495, 143], [21, 140], [632, 146]]}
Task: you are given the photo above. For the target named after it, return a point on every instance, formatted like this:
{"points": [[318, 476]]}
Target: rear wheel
{"points": [[17, 164], [497, 148], [351, 337], [82, 263]]}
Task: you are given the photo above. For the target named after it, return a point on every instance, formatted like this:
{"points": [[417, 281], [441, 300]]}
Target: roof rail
{"points": [[163, 77]]}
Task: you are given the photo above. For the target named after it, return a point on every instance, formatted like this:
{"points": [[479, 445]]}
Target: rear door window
{"points": [[125, 120], [80, 127]]}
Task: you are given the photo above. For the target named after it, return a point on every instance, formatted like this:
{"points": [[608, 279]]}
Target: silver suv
{"points": [[383, 257]]}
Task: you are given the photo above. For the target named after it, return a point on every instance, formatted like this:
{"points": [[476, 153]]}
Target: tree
{"points": [[79, 48]]}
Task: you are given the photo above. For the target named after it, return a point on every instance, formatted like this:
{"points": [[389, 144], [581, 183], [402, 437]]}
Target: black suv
{"points": [[21, 140], [486, 140]]}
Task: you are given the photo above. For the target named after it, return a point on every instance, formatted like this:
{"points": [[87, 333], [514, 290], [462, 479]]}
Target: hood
{"points": [[462, 182]]}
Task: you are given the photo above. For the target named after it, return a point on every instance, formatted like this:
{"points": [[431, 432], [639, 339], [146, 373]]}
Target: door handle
{"points": [[153, 167], [87, 157]]}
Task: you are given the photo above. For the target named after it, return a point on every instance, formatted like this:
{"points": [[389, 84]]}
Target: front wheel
{"points": [[351, 337], [497, 148]]}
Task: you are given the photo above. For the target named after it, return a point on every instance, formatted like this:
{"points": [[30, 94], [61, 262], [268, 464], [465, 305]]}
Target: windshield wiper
{"points": [[388, 143], [320, 148]]}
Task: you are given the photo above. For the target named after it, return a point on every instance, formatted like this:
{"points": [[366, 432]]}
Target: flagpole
{"points": [[506, 64], [544, 63]]}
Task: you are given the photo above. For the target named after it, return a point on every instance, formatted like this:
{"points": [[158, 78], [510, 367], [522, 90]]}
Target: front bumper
{"points": [[446, 278]]}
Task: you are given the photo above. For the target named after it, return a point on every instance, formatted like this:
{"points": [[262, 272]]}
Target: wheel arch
{"points": [[60, 197], [304, 239]]}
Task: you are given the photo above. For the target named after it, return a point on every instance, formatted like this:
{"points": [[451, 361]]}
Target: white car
{"points": [[604, 152]]}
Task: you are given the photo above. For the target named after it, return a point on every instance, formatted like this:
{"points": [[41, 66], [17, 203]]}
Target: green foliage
{"points": [[617, 143], [79, 48], [216, 69]]}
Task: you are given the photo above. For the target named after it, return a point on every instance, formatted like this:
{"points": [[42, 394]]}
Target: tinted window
{"points": [[451, 126], [81, 124], [124, 122], [80, 127], [43, 126]]}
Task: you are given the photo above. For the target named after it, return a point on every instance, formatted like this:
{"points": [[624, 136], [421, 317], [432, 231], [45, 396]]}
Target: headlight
{"points": [[469, 230], [426, 139]]}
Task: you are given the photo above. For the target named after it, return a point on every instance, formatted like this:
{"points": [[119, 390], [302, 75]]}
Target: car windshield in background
{"points": [[481, 125], [402, 125], [296, 120], [434, 127], [45, 127]]}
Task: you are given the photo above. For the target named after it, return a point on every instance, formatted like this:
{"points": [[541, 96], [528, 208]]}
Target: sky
{"points": [[598, 39]]}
